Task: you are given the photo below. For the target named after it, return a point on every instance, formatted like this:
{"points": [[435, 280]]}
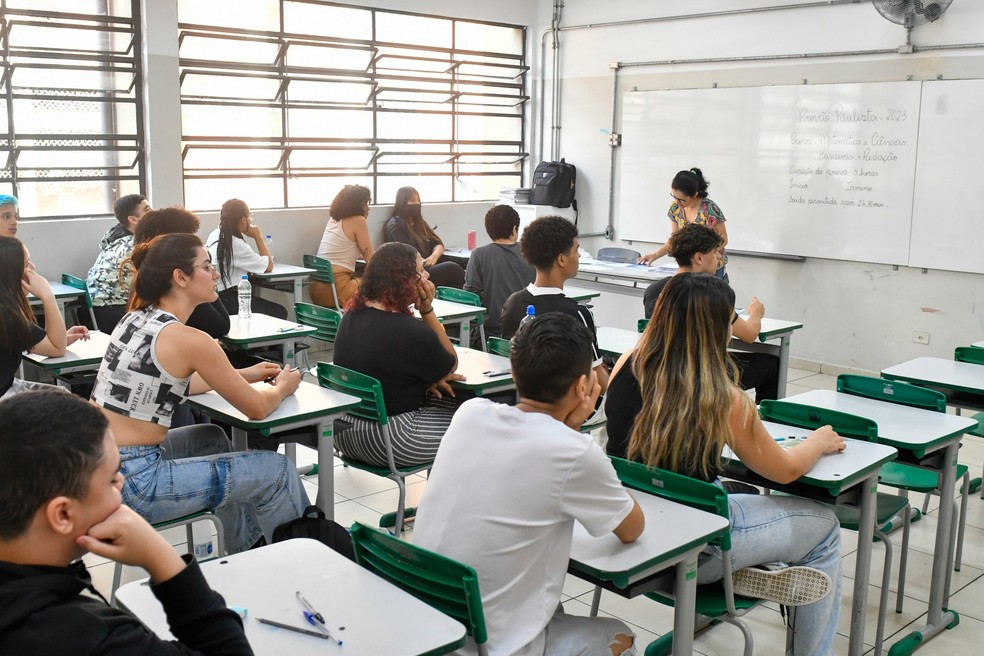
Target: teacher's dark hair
{"points": [[548, 354], [691, 239], [690, 183]]}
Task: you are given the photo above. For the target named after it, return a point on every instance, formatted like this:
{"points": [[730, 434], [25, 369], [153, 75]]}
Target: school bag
{"points": [[313, 524], [553, 184]]}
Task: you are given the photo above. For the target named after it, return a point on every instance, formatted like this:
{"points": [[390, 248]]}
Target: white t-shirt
{"points": [[244, 259], [502, 497]]}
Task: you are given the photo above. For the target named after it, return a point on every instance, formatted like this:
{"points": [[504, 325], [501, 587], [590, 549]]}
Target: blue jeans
{"points": [[789, 531], [252, 492]]}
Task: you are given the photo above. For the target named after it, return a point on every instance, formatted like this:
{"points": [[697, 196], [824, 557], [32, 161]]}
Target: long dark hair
{"points": [[155, 262], [390, 278], [230, 217], [15, 311], [411, 215]]}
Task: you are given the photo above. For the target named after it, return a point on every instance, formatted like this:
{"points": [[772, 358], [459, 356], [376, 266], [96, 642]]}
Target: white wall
{"points": [[857, 315]]}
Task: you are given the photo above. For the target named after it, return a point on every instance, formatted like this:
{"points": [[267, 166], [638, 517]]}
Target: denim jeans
{"points": [[252, 492], [788, 531]]}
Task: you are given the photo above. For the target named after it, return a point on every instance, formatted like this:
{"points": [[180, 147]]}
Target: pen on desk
{"points": [[779, 439], [312, 615], [296, 629], [496, 372], [307, 605], [288, 330]]}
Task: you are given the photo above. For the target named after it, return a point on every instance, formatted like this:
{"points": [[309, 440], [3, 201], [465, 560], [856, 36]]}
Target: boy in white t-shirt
{"points": [[508, 483]]}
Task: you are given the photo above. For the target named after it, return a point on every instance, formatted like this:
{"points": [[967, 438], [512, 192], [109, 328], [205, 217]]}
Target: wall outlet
{"points": [[920, 337]]}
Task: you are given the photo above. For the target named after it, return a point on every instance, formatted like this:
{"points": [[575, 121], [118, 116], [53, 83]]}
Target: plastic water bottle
{"points": [[245, 298], [201, 534], [269, 244], [530, 315]]}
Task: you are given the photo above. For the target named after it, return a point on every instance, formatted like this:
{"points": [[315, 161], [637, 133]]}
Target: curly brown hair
{"points": [[390, 279]]}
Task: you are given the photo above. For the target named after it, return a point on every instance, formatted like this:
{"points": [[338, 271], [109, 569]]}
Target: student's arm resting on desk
{"points": [[632, 526], [762, 454], [196, 614], [747, 330], [55, 340]]}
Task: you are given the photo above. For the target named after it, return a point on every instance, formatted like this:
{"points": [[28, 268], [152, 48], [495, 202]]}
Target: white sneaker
{"points": [[789, 586]]}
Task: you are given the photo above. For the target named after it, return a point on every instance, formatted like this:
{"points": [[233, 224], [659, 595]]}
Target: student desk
{"points": [[84, 356], [285, 277], [378, 618], [927, 439], [616, 341], [580, 295], [639, 567], [850, 476], [63, 294], [637, 276], [264, 330], [450, 312], [949, 376], [311, 405], [472, 364]]}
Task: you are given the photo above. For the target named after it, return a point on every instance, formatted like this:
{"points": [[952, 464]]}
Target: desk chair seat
{"points": [[371, 408], [440, 582], [78, 283], [186, 521], [622, 255], [323, 273], [468, 298], [890, 509]]}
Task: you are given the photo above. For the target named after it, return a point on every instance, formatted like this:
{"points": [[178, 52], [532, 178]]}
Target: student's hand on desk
{"points": [[444, 385], [260, 371], [756, 308], [647, 258], [287, 381], [586, 406], [829, 441], [36, 284], [125, 537], [75, 333]]}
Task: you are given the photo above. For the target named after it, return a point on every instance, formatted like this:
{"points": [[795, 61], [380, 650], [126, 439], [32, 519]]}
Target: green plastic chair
{"points": [[903, 476], [714, 600], [641, 325], [324, 319], [78, 283], [468, 298], [371, 408], [498, 346], [440, 582], [323, 273], [889, 508], [973, 355]]}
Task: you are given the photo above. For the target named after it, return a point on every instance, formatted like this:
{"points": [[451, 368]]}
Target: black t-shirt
{"points": [[396, 229], [10, 359], [399, 351], [514, 309], [652, 295], [211, 318]]}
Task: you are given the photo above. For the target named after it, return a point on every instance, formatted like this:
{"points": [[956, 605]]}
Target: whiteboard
{"points": [[948, 208], [822, 171]]}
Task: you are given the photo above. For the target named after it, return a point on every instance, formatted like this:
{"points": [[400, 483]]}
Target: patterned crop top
{"points": [[131, 381]]}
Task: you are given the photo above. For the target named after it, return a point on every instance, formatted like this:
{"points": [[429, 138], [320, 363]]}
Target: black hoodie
{"points": [[42, 611]]}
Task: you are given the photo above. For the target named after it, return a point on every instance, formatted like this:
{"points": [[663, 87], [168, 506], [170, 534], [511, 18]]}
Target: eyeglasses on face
{"points": [[206, 266]]}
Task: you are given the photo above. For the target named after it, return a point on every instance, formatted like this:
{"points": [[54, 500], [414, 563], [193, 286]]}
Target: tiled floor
{"points": [[363, 497]]}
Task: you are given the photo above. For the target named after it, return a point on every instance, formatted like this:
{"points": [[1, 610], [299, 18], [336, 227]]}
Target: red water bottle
{"points": [[472, 242]]}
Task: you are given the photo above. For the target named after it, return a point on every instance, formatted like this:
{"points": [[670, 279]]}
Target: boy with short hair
{"points": [[509, 482], [498, 269], [9, 215], [59, 498]]}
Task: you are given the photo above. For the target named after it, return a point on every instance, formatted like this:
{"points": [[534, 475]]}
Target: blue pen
{"points": [[313, 617], [779, 439]]}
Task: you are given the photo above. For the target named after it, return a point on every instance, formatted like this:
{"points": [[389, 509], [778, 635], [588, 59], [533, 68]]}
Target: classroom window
{"points": [[285, 101], [72, 141]]}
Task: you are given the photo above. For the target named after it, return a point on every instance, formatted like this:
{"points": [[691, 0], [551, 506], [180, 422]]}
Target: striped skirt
{"points": [[415, 435]]}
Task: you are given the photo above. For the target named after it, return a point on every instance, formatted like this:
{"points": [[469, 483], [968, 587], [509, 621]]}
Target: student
{"points": [[412, 359], [108, 289], [697, 248], [346, 238], [517, 536], [407, 225], [498, 269], [550, 245], [152, 364], [18, 332], [673, 404], [60, 498], [9, 215], [235, 259]]}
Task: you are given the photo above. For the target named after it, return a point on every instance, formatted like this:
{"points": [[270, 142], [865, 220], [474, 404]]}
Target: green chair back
{"points": [[807, 416], [367, 388], [499, 346], [323, 271], [442, 583], [676, 487], [892, 392], [459, 296], [77, 283], [325, 320], [641, 326], [971, 354]]}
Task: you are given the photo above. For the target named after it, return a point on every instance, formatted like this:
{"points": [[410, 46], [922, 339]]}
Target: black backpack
{"points": [[313, 524], [553, 184]]}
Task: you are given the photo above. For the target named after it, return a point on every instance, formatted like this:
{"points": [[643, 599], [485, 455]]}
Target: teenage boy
{"points": [[697, 249], [60, 498], [507, 485], [550, 244], [109, 294], [9, 215], [498, 269]]}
